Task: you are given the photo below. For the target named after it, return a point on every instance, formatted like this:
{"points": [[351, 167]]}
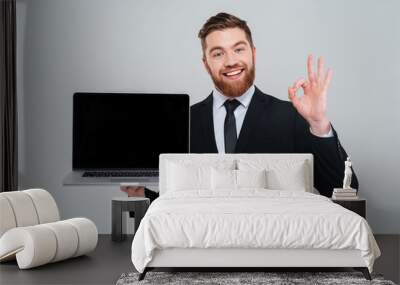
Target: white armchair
{"points": [[31, 230]]}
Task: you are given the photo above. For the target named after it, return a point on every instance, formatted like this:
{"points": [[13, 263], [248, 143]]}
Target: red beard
{"points": [[238, 87]]}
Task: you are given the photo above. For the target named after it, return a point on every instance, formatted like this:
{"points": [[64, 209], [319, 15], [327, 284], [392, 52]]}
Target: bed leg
{"points": [[364, 271], [143, 274]]}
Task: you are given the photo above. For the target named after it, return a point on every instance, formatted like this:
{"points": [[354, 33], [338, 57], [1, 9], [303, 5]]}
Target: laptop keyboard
{"points": [[138, 173]]}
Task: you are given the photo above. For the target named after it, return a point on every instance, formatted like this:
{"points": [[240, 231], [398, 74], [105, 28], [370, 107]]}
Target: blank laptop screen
{"points": [[128, 131]]}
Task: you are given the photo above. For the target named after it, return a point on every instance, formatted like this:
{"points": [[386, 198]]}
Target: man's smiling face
{"points": [[230, 59]]}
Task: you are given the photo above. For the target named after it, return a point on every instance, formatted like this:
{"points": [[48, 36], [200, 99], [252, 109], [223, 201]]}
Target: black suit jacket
{"points": [[272, 125]]}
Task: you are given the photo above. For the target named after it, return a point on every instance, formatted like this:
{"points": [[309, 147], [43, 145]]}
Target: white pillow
{"points": [[280, 174], [223, 179], [187, 174], [292, 179], [251, 178], [187, 177], [226, 179]]}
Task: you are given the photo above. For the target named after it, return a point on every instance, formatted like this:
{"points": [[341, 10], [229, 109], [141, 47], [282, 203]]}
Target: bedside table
{"points": [[138, 205], [358, 206]]}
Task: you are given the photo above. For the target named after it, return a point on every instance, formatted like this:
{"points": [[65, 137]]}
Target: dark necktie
{"points": [[230, 125]]}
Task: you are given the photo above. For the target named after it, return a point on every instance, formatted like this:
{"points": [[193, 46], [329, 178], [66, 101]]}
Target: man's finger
{"points": [[305, 86], [133, 188], [298, 83], [291, 92], [320, 70], [310, 68], [292, 96]]}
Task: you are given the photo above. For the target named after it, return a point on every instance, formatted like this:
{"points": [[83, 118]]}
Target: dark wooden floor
{"points": [[102, 266], [110, 260]]}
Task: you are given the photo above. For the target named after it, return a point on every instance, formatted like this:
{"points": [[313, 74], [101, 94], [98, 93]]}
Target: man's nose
{"points": [[230, 59]]}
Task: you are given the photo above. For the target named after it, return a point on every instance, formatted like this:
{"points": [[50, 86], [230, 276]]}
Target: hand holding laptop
{"points": [[133, 190]]}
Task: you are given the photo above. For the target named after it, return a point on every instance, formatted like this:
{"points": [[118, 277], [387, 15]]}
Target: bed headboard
{"points": [[213, 159]]}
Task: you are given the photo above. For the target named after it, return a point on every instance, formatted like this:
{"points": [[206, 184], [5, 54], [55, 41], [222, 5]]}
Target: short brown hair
{"points": [[223, 21]]}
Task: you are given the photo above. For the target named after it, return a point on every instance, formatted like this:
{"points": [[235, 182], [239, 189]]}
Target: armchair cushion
{"points": [[40, 244], [30, 230]]}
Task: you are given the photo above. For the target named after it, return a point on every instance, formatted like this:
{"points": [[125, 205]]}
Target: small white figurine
{"points": [[347, 174]]}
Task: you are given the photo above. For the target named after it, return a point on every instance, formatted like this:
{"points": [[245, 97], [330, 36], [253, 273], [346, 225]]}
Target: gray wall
{"points": [[98, 45]]}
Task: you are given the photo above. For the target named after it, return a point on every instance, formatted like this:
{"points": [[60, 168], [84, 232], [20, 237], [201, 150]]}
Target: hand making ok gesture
{"points": [[312, 105]]}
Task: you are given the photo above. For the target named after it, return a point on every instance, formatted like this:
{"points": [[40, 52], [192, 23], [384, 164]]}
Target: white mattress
{"points": [[251, 218]]}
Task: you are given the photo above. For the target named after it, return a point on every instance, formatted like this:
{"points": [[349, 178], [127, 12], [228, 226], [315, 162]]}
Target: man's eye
{"points": [[239, 50], [217, 54]]}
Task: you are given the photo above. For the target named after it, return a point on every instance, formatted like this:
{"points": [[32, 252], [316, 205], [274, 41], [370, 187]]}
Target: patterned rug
{"points": [[242, 278]]}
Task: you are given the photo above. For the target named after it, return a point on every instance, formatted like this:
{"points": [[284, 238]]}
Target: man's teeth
{"points": [[233, 72]]}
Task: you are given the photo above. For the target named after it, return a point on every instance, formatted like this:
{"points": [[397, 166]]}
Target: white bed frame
{"points": [[246, 257], [242, 259], [234, 257]]}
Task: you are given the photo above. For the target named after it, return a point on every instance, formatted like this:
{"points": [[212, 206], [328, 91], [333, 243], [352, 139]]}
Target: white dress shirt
{"points": [[219, 114]]}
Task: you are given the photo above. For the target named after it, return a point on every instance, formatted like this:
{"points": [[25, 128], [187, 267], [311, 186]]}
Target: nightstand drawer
{"points": [[358, 206]]}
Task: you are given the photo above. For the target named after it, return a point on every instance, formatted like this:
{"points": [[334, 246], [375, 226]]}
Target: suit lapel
{"points": [[208, 125], [256, 108]]}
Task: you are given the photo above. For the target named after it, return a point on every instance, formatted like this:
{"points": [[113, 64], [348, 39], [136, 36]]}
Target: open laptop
{"points": [[118, 137]]}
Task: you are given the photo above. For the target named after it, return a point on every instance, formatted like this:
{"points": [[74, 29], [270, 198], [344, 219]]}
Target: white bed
{"points": [[225, 217]]}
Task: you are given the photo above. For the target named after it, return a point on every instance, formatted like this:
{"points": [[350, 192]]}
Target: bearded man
{"points": [[238, 118]]}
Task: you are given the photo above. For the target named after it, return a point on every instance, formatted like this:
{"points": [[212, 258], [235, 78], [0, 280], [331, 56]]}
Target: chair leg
{"points": [[143, 274], [364, 271]]}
